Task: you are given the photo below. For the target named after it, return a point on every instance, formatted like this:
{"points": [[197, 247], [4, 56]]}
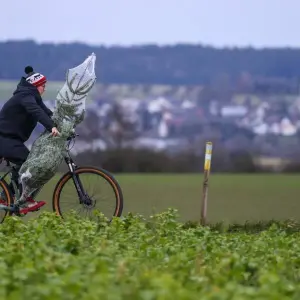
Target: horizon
{"points": [[137, 45]]}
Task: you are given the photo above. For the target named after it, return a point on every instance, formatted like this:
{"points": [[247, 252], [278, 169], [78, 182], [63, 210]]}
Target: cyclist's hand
{"points": [[55, 132]]}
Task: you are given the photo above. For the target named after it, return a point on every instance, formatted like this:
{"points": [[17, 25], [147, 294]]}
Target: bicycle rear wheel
{"points": [[6, 199], [66, 198]]}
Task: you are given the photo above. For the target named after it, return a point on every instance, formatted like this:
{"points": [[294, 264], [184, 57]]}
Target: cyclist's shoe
{"points": [[30, 206]]}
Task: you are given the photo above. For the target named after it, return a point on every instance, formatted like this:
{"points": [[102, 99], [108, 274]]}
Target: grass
{"points": [[110, 91], [232, 198], [8, 87]]}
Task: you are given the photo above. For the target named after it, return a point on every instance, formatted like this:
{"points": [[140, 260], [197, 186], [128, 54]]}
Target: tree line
{"points": [[148, 161], [151, 64]]}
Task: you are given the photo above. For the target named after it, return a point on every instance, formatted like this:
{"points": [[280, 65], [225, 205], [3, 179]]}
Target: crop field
{"points": [[153, 253], [134, 258]]}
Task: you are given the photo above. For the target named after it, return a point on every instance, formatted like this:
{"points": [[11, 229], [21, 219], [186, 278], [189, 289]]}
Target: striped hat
{"points": [[34, 78]]}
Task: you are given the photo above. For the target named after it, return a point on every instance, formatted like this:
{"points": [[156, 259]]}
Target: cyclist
{"points": [[18, 118]]}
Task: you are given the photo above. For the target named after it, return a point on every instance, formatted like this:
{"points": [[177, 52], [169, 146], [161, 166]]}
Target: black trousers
{"points": [[15, 152]]}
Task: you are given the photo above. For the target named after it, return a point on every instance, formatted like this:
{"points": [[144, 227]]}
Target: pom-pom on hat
{"points": [[34, 78]]}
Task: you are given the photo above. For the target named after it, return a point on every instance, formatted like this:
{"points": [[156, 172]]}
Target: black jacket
{"points": [[20, 114]]}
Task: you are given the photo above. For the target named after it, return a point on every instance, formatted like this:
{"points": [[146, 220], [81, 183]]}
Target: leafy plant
{"points": [[157, 258]]}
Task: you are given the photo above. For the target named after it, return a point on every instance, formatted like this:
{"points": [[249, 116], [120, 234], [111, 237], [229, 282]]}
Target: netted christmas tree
{"points": [[48, 152]]}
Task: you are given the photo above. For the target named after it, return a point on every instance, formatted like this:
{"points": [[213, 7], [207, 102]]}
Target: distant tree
{"points": [[180, 64]]}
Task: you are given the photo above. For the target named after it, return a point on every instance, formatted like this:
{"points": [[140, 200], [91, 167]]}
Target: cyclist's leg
{"points": [[15, 152], [15, 178], [17, 157]]}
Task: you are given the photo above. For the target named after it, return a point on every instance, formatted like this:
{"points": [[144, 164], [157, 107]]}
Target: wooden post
{"points": [[207, 163]]}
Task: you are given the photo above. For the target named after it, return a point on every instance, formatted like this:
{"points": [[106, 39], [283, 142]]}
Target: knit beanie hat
{"points": [[34, 78]]}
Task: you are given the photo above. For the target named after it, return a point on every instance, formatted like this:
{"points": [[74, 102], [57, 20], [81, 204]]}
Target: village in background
{"points": [[151, 98], [175, 121]]}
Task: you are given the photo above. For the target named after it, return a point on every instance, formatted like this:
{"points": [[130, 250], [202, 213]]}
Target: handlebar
{"points": [[72, 136]]}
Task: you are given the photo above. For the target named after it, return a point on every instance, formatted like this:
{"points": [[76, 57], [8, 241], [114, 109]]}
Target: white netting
{"points": [[78, 83]]}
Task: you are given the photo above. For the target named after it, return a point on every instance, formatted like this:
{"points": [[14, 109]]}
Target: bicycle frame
{"points": [[72, 168], [77, 182]]}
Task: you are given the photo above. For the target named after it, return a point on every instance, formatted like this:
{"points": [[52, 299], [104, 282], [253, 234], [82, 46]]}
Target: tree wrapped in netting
{"points": [[48, 152]]}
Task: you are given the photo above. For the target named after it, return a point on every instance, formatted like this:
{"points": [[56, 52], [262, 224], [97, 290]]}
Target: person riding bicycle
{"points": [[18, 118]]}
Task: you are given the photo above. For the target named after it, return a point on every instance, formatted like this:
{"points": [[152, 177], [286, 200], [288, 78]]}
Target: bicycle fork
{"points": [[83, 199]]}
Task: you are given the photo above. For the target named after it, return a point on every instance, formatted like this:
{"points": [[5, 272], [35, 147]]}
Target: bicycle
{"points": [[86, 201]]}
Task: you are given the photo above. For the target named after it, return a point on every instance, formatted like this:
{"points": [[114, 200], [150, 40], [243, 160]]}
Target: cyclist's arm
{"points": [[46, 109], [30, 105]]}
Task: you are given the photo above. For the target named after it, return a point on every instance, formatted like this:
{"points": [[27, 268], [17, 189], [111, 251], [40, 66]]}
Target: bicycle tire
{"points": [[8, 195], [86, 169]]}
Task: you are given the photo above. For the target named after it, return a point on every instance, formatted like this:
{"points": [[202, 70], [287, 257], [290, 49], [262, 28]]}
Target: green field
{"points": [[8, 87], [113, 91], [136, 259], [149, 256], [231, 197]]}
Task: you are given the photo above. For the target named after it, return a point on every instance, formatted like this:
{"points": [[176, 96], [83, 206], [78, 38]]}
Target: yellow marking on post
{"points": [[207, 163], [208, 154]]}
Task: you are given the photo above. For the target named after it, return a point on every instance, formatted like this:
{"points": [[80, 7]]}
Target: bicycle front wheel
{"points": [[102, 192]]}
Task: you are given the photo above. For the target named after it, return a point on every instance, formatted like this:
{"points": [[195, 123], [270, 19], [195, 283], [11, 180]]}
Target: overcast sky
{"points": [[215, 22]]}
